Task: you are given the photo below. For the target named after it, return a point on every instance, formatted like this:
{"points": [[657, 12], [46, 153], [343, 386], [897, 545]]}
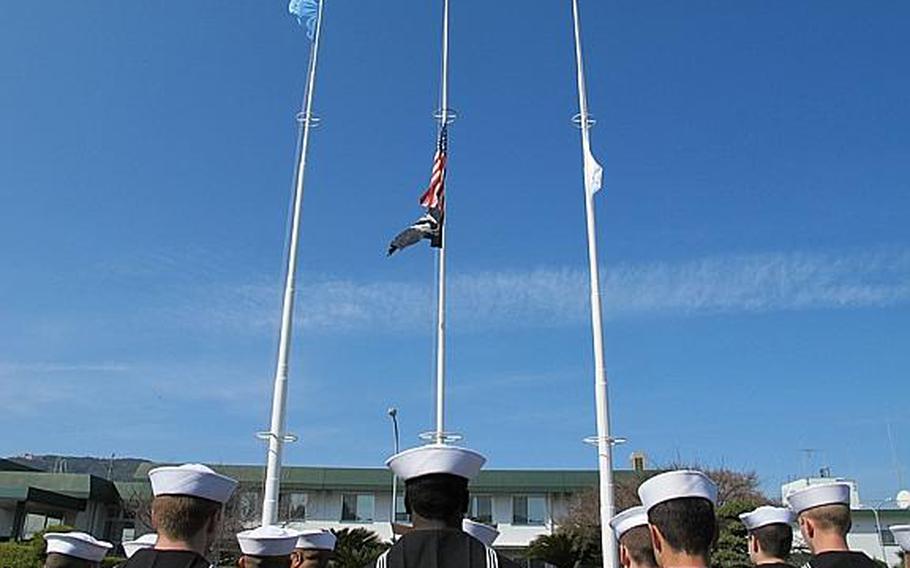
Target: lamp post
{"points": [[393, 414]]}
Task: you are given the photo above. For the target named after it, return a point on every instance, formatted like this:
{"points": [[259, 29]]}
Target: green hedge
{"points": [[15, 555]]}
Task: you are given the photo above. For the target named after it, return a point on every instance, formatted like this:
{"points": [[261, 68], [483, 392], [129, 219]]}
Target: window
{"points": [[481, 509], [529, 510], [887, 538], [297, 503], [35, 523], [401, 514], [357, 507]]}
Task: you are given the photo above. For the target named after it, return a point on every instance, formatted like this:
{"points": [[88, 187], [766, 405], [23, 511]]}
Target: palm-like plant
{"points": [[557, 549], [355, 548]]}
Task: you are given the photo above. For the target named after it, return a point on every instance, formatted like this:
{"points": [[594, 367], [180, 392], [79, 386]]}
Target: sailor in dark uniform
{"points": [[314, 549], [902, 538], [680, 508], [482, 532], [823, 512], [436, 496], [74, 550], [266, 547], [186, 513], [131, 547], [631, 530], [770, 536]]}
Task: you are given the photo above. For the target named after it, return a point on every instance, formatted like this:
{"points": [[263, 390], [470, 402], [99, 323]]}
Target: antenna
{"points": [[808, 454]]}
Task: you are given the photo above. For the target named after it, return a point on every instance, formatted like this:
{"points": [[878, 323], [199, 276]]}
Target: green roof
{"points": [[78, 485], [352, 478], [35, 495]]}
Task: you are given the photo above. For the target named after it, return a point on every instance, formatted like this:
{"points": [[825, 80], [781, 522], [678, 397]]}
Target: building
{"points": [[869, 533], [32, 500], [523, 504]]}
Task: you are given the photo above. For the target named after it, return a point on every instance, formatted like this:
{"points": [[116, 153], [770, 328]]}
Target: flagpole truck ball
{"points": [[631, 530], [74, 550], [314, 549], [823, 513]]}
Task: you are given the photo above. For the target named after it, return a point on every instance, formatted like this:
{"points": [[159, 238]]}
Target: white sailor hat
{"points": [[267, 541], [78, 545], [436, 458], [131, 547], [818, 495], [193, 479], [766, 515], [316, 540], [676, 485], [901, 536], [484, 533], [629, 519]]}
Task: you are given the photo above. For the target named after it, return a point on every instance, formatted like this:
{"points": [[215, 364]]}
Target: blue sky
{"points": [[753, 231]]}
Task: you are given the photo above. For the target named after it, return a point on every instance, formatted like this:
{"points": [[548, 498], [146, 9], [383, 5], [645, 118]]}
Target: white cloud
{"points": [[547, 297]]}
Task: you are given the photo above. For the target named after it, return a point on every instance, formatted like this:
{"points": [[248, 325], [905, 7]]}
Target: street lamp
{"points": [[393, 414]]}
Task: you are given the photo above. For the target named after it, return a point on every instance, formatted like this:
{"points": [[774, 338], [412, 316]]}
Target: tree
{"points": [[731, 549], [355, 548], [737, 492], [557, 549]]}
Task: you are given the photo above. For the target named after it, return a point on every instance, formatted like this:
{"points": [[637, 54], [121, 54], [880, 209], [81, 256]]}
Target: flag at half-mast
{"points": [[594, 173], [430, 224], [306, 11]]}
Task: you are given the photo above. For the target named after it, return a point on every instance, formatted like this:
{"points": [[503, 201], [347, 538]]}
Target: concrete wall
{"points": [[7, 516]]}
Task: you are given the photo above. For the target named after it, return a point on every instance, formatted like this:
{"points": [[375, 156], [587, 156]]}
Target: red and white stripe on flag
{"points": [[433, 197]]}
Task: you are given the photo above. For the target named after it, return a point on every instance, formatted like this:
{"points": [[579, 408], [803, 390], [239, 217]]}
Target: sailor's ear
{"points": [[657, 541]]}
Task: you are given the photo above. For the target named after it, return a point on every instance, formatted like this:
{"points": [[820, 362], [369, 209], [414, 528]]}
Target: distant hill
{"points": [[118, 469]]}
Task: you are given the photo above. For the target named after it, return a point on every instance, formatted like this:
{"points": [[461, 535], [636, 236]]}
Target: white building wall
{"points": [[324, 512]]}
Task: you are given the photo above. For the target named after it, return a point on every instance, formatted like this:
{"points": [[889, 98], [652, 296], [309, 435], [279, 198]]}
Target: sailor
{"points": [[186, 514], [770, 536], [823, 512], [266, 547], [130, 547], [314, 549], [436, 496], [902, 538], [680, 508], [631, 530], [74, 550], [482, 532]]}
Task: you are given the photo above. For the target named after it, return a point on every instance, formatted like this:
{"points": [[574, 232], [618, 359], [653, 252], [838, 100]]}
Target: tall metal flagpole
{"points": [[441, 277], [604, 441], [276, 434]]}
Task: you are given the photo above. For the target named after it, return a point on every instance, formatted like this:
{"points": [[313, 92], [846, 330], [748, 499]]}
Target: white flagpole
{"points": [[604, 441], [276, 434], [441, 277]]}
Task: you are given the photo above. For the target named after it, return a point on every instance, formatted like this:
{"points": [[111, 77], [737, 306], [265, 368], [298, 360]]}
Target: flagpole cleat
{"points": [[287, 438], [595, 440], [302, 118], [434, 437], [451, 115], [576, 120]]}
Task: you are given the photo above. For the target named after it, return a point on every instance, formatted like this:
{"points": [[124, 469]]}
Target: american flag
{"points": [[430, 225], [434, 196]]}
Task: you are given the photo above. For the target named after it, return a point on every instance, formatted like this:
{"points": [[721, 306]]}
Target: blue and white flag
{"points": [[306, 11]]}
